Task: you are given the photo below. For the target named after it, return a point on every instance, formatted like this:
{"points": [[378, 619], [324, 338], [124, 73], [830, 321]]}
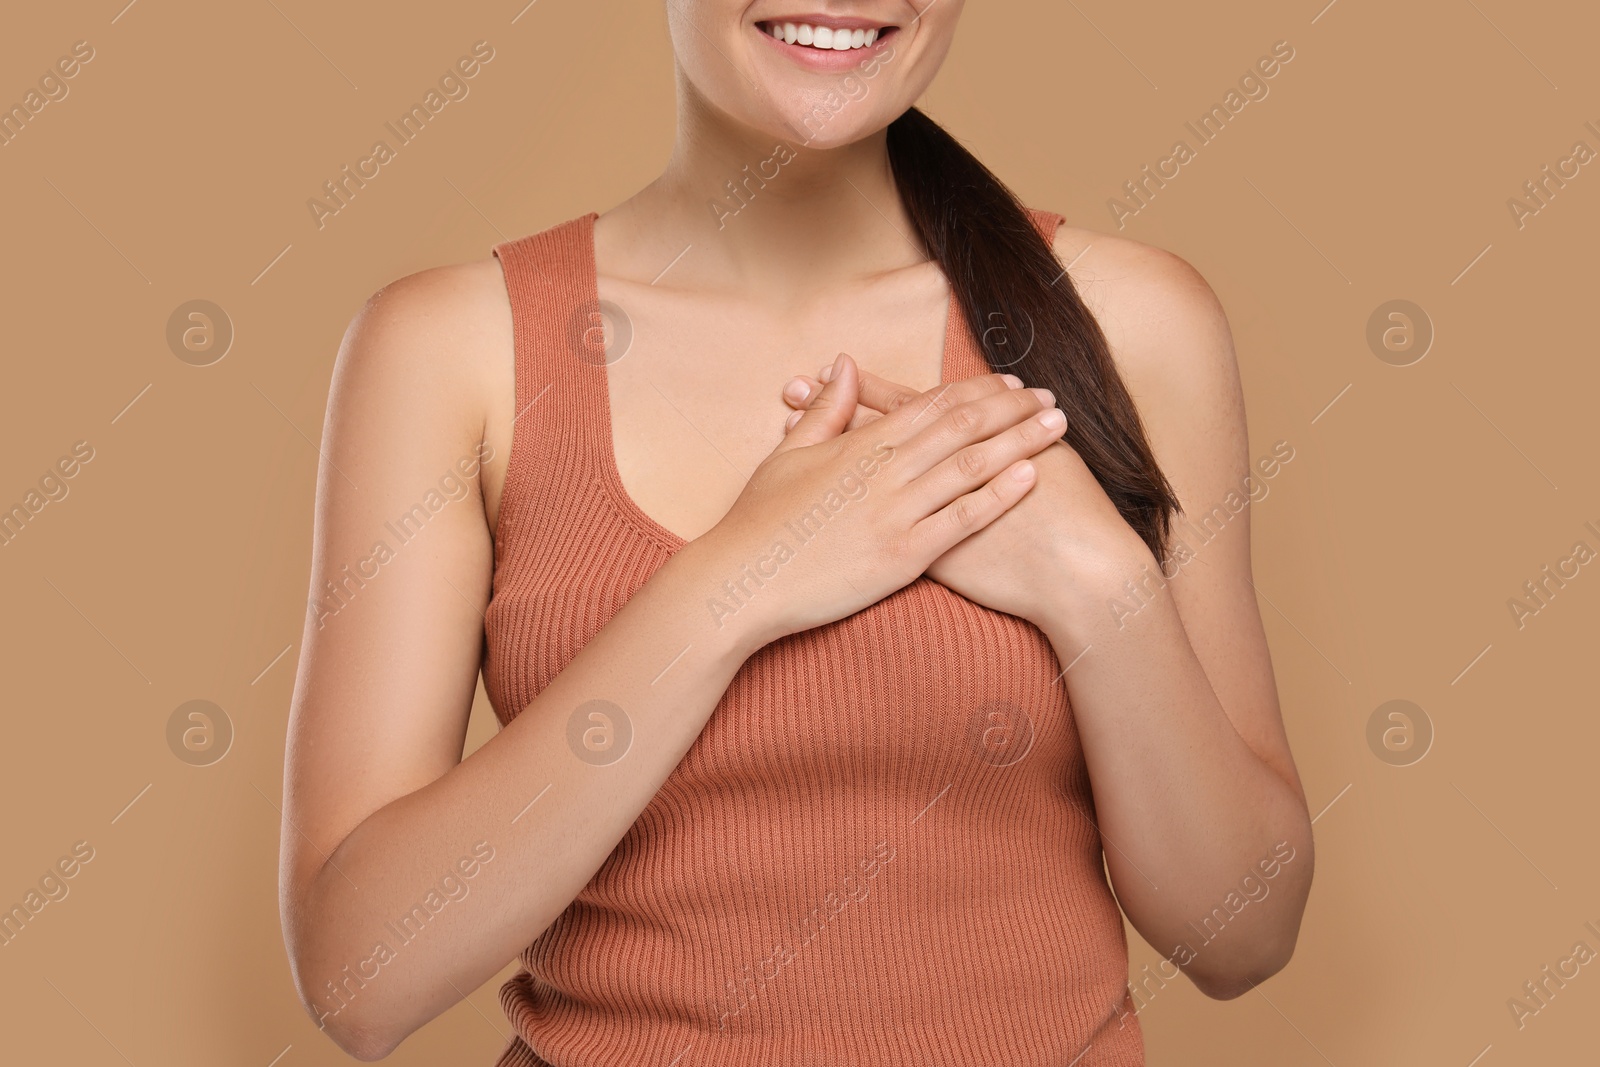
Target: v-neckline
{"points": [[606, 447]]}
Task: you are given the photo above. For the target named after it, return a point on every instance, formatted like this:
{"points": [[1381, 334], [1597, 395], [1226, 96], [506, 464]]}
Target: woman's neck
{"points": [[763, 215]]}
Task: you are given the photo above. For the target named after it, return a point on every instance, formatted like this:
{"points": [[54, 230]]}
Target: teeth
{"points": [[822, 37]]}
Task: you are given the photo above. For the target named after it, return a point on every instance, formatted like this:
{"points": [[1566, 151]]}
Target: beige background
{"points": [[1378, 168]]}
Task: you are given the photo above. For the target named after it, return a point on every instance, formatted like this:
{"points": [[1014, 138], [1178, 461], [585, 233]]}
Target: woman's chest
{"points": [[920, 689], [693, 386]]}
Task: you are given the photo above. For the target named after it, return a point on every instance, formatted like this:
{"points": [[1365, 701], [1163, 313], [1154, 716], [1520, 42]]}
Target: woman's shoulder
{"points": [[1131, 273], [1154, 307], [453, 291], [460, 313], [435, 344], [445, 318]]}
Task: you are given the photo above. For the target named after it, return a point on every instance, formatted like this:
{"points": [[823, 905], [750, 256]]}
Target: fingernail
{"points": [[1045, 397], [794, 417], [1012, 380], [797, 390], [825, 375]]}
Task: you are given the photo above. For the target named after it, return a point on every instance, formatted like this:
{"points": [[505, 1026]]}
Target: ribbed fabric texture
{"points": [[880, 851]]}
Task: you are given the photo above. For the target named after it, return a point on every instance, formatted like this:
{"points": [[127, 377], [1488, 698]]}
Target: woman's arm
{"points": [[1207, 836], [1199, 803], [379, 809], [409, 878]]}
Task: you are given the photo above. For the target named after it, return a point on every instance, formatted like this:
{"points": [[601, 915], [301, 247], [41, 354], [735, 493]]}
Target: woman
{"points": [[815, 715]]}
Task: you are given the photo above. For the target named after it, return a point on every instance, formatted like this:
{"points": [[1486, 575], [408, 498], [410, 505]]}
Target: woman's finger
{"points": [[877, 393], [801, 390], [862, 416], [831, 411], [881, 394]]}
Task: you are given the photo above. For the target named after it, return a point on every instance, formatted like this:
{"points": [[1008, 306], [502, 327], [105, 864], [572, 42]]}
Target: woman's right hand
{"points": [[835, 519]]}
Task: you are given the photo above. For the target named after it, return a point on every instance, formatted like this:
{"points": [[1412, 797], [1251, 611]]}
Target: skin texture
{"points": [[1177, 710]]}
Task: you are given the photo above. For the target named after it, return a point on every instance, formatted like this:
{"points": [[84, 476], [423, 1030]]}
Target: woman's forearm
{"points": [[546, 800], [1196, 826]]}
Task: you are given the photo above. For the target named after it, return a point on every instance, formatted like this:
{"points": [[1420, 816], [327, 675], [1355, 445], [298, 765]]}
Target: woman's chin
{"points": [[809, 119]]}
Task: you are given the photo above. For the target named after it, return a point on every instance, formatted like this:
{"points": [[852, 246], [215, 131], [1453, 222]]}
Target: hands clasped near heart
{"points": [[1063, 527]]}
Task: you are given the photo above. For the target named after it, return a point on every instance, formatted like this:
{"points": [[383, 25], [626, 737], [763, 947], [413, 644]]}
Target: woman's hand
{"points": [[835, 519], [1064, 544]]}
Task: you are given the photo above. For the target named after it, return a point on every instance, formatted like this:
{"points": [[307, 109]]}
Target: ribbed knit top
{"points": [[880, 851]]}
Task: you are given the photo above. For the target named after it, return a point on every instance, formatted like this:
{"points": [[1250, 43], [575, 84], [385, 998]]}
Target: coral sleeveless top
{"points": [[880, 851]]}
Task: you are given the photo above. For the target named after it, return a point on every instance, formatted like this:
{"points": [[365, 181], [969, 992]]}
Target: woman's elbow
{"points": [[339, 1002], [1238, 977], [364, 1047], [360, 1038]]}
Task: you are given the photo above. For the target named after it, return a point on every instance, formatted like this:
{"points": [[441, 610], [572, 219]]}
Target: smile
{"points": [[819, 38]]}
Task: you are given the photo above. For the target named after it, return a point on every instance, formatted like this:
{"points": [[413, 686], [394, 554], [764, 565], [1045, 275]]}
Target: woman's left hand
{"points": [[1063, 548]]}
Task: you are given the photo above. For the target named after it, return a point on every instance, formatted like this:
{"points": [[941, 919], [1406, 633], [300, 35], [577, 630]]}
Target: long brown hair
{"points": [[1011, 287]]}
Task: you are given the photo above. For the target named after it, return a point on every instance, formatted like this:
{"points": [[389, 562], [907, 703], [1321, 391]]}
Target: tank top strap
{"points": [[964, 356], [560, 447], [1046, 222], [558, 335]]}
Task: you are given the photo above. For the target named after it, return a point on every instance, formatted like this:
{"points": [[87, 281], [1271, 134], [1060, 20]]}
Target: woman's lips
{"points": [[828, 59]]}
